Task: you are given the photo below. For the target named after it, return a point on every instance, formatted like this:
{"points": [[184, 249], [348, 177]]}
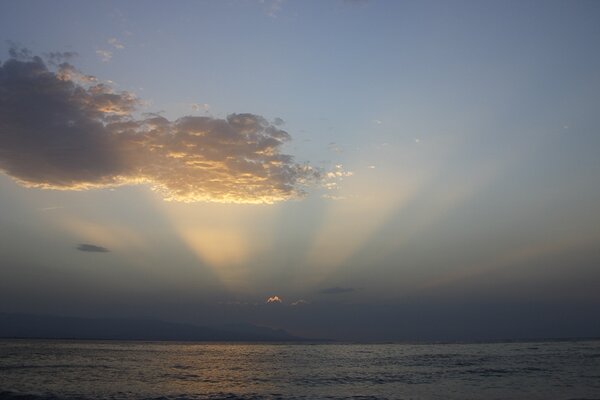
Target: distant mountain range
{"points": [[55, 327]]}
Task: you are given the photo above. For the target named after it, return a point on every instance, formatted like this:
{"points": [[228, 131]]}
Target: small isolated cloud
{"points": [[339, 172], [200, 107], [273, 300], [333, 197], [333, 178], [116, 43], [371, 167], [92, 248], [105, 55], [62, 129], [378, 122], [300, 302], [336, 290], [272, 7], [52, 208]]}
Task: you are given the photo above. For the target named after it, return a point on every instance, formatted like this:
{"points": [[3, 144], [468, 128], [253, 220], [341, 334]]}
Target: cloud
{"points": [[19, 53], [116, 43], [336, 290], [92, 248], [58, 57], [61, 129], [300, 302], [51, 208], [272, 7], [105, 55], [274, 299], [339, 172], [200, 107], [333, 197], [333, 178]]}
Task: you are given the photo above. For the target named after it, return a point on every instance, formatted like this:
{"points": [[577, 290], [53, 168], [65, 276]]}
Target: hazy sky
{"points": [[379, 169]]}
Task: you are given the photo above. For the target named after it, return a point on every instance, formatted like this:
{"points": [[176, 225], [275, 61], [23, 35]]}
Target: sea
{"points": [[56, 370]]}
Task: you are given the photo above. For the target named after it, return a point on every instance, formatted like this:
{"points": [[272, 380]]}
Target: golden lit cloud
{"points": [[64, 130], [274, 300]]}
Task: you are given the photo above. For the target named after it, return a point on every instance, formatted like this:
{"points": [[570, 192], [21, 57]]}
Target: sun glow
{"points": [[225, 238]]}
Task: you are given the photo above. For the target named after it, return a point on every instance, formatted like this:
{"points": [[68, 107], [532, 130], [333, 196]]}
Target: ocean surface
{"points": [[36, 369]]}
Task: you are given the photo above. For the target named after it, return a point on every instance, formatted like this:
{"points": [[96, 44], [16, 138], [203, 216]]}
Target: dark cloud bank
{"points": [[61, 129]]}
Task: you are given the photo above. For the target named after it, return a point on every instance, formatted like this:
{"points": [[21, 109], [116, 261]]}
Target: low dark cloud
{"points": [[61, 129], [336, 290], [18, 53], [92, 248], [300, 302]]}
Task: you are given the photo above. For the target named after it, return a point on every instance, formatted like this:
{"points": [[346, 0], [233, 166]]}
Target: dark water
{"points": [[31, 370]]}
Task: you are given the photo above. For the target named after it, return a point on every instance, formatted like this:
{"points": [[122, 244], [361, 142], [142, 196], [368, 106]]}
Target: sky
{"points": [[355, 170]]}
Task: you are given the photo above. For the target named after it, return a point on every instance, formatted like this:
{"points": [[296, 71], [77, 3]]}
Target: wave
{"points": [[11, 395]]}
